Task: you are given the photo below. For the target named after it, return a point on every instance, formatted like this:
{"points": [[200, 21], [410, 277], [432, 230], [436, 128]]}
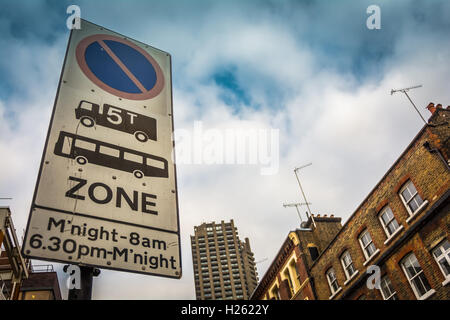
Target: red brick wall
{"points": [[431, 178]]}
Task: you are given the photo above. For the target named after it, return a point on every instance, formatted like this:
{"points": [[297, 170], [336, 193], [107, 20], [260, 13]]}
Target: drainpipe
{"points": [[430, 149]]}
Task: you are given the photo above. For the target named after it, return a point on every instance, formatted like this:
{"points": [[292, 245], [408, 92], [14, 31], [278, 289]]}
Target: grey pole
{"points": [[86, 279], [415, 107], [405, 91], [296, 205], [303, 193]]}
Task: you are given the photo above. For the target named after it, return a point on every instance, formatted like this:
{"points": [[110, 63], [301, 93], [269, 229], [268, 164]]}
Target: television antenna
{"points": [[405, 91], [262, 260], [303, 193], [296, 205]]}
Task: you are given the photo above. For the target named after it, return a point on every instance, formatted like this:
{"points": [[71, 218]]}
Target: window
{"points": [[85, 145], [416, 277], [86, 105], [155, 163], [314, 252], [332, 281], [390, 224], [442, 255], [38, 295], [347, 263], [367, 244], [67, 145], [387, 291], [287, 274], [411, 198], [296, 271], [109, 151], [133, 157], [276, 293]]}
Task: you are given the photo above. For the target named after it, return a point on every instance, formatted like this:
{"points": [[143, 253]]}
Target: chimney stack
{"points": [[431, 107]]}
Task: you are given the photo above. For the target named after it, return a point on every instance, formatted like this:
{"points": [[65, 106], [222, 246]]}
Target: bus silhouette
{"points": [[86, 150], [142, 127]]}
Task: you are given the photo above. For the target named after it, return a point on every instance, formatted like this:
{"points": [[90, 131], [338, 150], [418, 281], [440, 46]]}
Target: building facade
{"points": [[396, 244], [19, 279], [224, 267], [288, 277]]}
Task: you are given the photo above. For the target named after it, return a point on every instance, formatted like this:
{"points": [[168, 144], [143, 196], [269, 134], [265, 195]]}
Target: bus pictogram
{"points": [[86, 150], [142, 127]]}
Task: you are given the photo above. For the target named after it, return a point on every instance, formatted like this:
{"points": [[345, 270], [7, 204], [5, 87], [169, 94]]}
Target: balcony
{"points": [[42, 268]]}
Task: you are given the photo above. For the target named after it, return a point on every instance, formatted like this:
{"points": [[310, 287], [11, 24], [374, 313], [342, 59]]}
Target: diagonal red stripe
{"points": [[122, 66]]}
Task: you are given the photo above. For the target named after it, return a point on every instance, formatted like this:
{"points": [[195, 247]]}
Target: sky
{"points": [[310, 69]]}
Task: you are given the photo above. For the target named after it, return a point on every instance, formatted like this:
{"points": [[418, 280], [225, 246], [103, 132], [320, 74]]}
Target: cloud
{"points": [[310, 69]]}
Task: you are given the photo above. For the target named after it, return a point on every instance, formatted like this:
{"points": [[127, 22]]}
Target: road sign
{"points": [[106, 193], [120, 67]]}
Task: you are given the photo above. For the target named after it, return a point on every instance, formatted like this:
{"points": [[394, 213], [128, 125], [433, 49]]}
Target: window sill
{"points": [[371, 257], [446, 282], [351, 278], [428, 294], [419, 209], [334, 294], [392, 236]]}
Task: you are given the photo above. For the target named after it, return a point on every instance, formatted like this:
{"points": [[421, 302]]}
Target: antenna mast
{"points": [[405, 91], [296, 205], [303, 193]]}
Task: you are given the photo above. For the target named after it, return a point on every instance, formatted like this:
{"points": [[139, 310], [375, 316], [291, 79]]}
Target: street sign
{"points": [[106, 193]]}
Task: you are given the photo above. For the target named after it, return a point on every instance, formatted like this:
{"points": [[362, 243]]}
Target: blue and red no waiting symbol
{"points": [[120, 67]]}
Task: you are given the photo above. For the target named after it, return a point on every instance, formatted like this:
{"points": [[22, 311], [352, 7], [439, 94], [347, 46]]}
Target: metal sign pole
{"points": [[86, 279]]}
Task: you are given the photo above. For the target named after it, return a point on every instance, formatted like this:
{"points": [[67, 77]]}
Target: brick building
{"points": [[19, 279], [288, 276], [402, 227]]}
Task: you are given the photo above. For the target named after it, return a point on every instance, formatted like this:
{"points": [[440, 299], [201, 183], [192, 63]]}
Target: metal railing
{"points": [[3, 289], [42, 268]]}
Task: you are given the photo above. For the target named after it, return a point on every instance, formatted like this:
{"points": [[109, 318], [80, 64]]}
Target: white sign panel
{"points": [[106, 193]]}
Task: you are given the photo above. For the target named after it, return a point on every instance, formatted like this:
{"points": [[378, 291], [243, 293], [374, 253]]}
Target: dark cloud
{"points": [[308, 68]]}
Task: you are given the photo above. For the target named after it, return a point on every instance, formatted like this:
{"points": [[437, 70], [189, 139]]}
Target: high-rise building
{"points": [[224, 267]]}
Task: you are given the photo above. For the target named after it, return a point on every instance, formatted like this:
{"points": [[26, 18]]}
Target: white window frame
{"points": [[368, 258], [346, 253], [387, 210], [277, 296], [427, 294], [286, 274], [334, 292], [389, 286], [294, 276], [446, 256], [406, 203]]}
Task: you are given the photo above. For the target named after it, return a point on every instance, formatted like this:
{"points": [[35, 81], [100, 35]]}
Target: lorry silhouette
{"points": [[142, 127]]}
